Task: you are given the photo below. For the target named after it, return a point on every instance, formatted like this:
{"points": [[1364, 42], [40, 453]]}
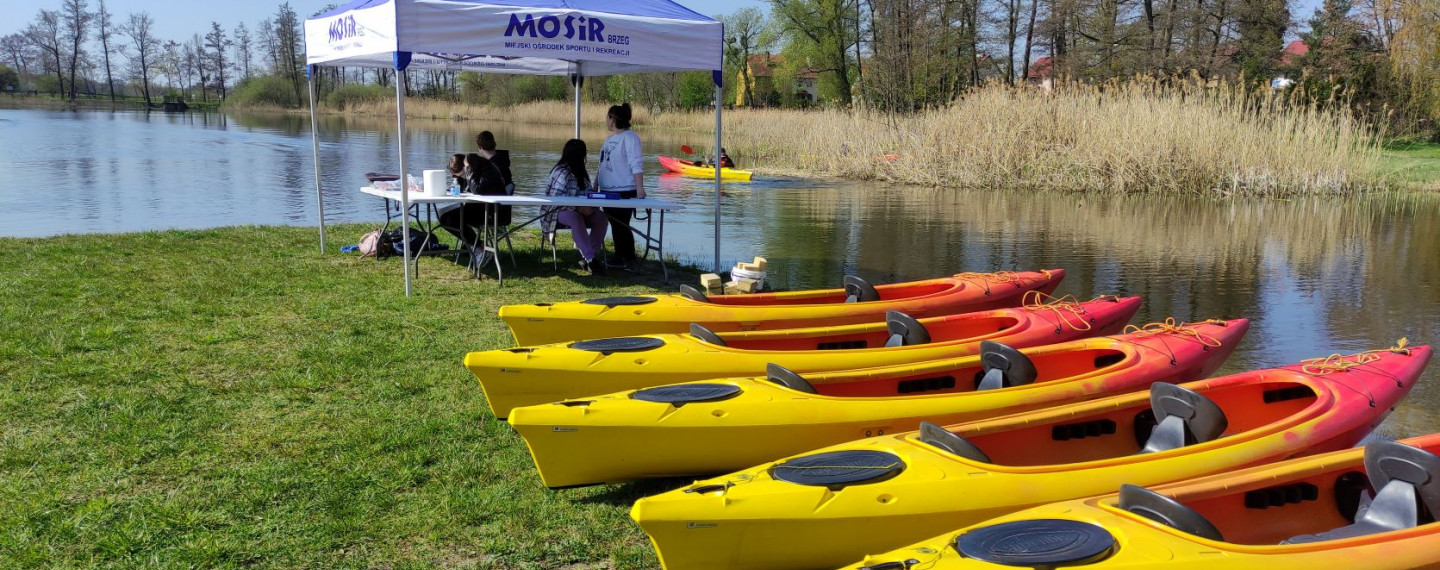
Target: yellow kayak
{"points": [[515, 377], [831, 507], [688, 168], [858, 302], [1301, 514], [719, 426]]}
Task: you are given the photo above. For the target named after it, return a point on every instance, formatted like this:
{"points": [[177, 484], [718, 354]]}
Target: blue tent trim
{"points": [[402, 60]]}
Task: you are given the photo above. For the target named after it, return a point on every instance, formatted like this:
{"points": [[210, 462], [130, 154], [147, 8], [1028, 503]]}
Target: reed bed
{"points": [[1131, 138], [535, 113]]}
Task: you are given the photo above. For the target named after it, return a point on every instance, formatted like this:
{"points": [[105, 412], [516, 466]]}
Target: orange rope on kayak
{"points": [[1170, 326], [1067, 309], [1343, 362], [984, 279]]}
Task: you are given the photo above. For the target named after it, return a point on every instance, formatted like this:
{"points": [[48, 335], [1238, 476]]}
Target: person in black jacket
{"points": [[501, 159], [480, 176]]}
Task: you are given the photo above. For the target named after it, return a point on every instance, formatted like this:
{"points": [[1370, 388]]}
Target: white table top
{"points": [[420, 197]]}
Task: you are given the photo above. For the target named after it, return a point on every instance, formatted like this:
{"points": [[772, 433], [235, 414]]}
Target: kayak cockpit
{"points": [[1047, 366]]}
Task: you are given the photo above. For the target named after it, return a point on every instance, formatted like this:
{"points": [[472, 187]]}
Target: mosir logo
{"points": [[344, 28], [571, 28]]}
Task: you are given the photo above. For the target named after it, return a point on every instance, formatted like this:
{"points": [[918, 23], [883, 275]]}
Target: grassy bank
{"points": [[50, 101], [231, 398], [1413, 163]]}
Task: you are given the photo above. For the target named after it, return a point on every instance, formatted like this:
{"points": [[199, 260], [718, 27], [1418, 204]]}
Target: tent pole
{"points": [[315, 148], [719, 100], [404, 176], [578, 80]]}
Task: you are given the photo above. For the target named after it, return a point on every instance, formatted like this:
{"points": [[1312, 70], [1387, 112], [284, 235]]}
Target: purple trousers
{"points": [[588, 231]]}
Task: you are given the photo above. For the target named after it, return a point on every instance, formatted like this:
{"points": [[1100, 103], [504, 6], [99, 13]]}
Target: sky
{"points": [[178, 19]]}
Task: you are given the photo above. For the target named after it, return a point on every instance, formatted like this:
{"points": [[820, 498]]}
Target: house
{"points": [[762, 67], [1042, 73]]}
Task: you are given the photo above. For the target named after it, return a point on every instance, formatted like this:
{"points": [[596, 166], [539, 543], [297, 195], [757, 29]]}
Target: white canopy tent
{"points": [[577, 38]]}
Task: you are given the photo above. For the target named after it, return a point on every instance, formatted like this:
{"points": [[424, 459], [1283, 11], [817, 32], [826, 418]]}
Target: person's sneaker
{"points": [[595, 267]]}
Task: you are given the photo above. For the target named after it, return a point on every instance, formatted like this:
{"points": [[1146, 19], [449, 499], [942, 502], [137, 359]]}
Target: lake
{"points": [[1316, 275]]}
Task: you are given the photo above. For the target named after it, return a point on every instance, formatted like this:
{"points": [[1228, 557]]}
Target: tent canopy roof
{"points": [[541, 37]]}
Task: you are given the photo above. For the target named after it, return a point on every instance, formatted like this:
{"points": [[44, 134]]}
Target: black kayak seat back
{"points": [[1184, 418], [1004, 367], [947, 440], [788, 378], [706, 335], [857, 290], [1409, 482], [1167, 511], [904, 330], [693, 294]]}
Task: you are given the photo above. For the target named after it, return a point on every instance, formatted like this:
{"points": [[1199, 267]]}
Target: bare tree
{"points": [[287, 39], [146, 49], [104, 32], [243, 54], [45, 34], [170, 62], [269, 46], [217, 42], [195, 54], [17, 52], [75, 21]]}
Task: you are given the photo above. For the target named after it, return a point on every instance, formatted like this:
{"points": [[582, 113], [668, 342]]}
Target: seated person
{"points": [[725, 161], [479, 176], [500, 157], [456, 168], [587, 225]]}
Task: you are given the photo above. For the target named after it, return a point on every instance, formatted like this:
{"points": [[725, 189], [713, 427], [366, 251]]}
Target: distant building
{"points": [[1042, 73], [805, 88], [1293, 52]]}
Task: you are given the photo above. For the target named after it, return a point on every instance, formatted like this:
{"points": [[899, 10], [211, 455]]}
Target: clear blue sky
{"points": [[178, 19]]}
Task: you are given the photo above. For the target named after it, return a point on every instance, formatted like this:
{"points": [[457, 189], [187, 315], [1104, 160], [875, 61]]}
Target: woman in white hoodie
{"points": [[622, 171]]}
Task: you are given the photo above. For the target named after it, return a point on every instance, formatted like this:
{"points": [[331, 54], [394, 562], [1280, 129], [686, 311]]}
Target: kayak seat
{"points": [[706, 335], [904, 330], [1167, 511], [1004, 367], [857, 290], [788, 378], [693, 294], [948, 441], [1184, 418], [1409, 483]]}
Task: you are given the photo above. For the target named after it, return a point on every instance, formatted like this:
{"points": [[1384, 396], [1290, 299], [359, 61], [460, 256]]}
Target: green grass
{"points": [[231, 398], [1414, 163]]}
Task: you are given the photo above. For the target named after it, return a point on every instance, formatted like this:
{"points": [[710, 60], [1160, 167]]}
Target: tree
{"points": [[287, 42], [146, 49], [16, 51], [243, 55], [75, 22], [1341, 58], [196, 60], [744, 36], [269, 46], [1261, 25], [45, 34], [104, 31], [9, 80], [217, 44], [822, 30]]}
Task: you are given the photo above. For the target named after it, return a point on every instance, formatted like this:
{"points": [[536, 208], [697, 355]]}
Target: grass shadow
{"points": [[625, 494]]}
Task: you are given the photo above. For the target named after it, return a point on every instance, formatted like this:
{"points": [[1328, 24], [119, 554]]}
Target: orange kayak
{"points": [[515, 377], [857, 303], [832, 506], [594, 440]]}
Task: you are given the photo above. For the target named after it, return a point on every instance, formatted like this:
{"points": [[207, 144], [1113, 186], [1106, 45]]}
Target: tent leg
{"points": [[719, 100], [404, 177], [578, 80], [315, 148]]}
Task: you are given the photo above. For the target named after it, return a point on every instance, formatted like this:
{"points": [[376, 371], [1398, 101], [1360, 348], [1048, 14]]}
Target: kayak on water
{"points": [[857, 303], [1374, 506], [688, 168], [831, 507], [719, 426], [549, 373]]}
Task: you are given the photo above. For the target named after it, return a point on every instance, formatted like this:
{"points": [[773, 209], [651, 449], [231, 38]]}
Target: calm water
{"points": [[1316, 276]]}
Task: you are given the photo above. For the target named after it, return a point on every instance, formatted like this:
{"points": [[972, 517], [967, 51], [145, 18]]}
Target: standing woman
{"points": [[621, 170], [587, 225]]}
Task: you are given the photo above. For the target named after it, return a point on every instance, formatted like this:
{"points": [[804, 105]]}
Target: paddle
{"points": [[685, 148]]}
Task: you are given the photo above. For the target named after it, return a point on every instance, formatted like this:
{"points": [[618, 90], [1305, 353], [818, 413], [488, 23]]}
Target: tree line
{"points": [[74, 50], [893, 55]]}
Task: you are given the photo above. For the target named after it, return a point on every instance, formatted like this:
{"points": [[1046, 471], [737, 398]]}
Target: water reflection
{"points": [[1315, 275]]}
